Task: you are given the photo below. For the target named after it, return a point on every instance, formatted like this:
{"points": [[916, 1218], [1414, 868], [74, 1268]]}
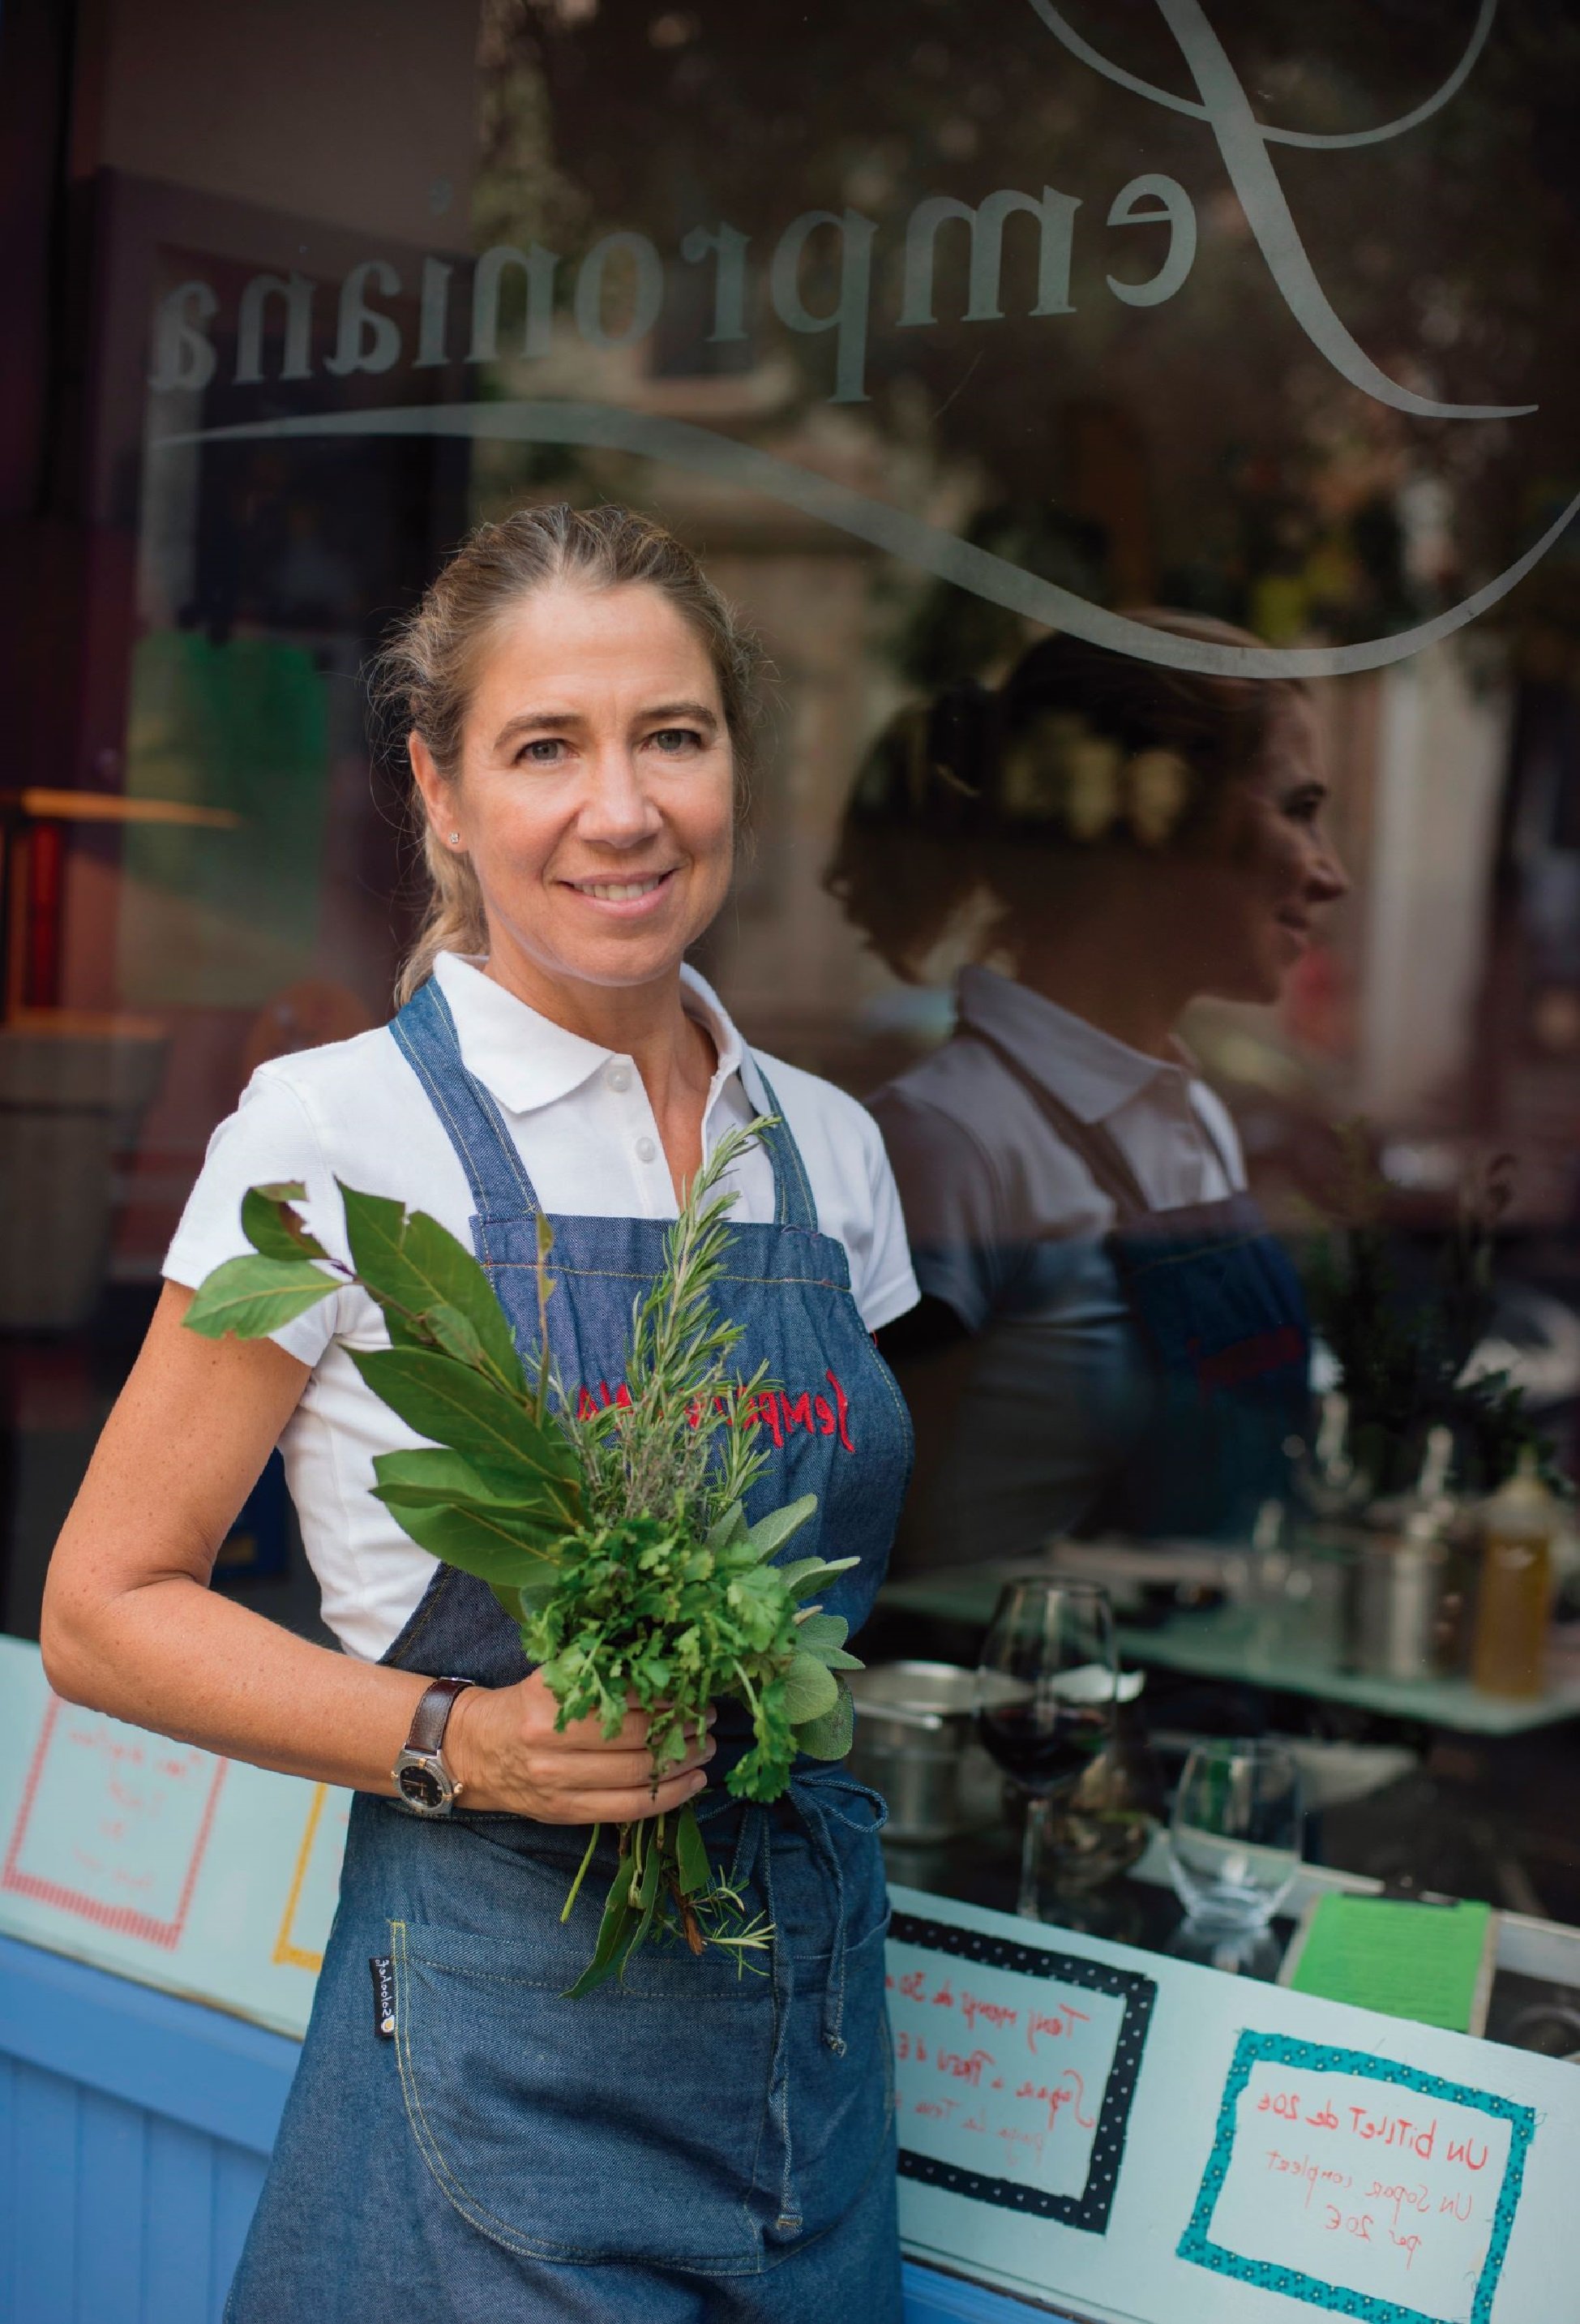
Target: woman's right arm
{"points": [[130, 1627]]}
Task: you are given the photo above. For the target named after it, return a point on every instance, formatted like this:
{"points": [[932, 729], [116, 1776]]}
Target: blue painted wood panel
{"points": [[134, 2133]]}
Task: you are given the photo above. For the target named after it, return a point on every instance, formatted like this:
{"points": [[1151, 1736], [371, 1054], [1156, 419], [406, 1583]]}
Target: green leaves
{"points": [[487, 1542], [690, 1854], [810, 1689], [273, 1228], [824, 1636], [620, 1544], [809, 1574], [251, 1297], [771, 1532], [415, 1268], [456, 1407], [830, 1736]]}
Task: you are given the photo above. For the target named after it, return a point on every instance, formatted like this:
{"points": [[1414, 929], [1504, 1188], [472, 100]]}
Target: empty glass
{"points": [[1235, 1837]]}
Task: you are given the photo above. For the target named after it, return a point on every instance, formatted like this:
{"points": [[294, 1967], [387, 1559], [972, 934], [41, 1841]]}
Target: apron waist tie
{"points": [[754, 1853]]}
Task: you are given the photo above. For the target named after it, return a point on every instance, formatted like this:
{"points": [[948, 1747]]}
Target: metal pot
{"points": [[913, 1723]]}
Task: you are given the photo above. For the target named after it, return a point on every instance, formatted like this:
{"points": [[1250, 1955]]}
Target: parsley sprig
{"points": [[616, 1541]]}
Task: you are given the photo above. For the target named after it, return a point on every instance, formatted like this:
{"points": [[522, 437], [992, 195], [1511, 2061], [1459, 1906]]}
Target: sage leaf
{"points": [[816, 1631], [771, 1532], [251, 1297], [830, 1734], [726, 1530], [808, 1573], [810, 1690]]}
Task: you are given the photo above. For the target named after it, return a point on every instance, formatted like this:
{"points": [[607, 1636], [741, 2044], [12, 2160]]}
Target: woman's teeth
{"points": [[620, 892]]}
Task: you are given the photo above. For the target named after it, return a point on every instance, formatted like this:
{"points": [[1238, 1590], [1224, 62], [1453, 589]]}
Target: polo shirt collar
{"points": [[527, 1061], [1087, 1071]]}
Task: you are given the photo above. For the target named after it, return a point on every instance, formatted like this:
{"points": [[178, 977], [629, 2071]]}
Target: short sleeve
{"points": [[887, 1285], [950, 1204], [269, 1137]]}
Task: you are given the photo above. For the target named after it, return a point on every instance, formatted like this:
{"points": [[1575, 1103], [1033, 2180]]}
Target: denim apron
{"points": [[464, 2143], [1218, 1322]]}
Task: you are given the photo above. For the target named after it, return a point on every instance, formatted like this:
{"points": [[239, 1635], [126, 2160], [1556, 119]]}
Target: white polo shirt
{"points": [[982, 1167], [355, 1110]]}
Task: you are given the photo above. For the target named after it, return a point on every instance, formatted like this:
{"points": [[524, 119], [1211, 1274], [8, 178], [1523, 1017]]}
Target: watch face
{"points": [[421, 1786]]}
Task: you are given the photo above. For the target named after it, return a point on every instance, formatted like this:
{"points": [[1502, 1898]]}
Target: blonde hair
{"points": [[421, 681]]}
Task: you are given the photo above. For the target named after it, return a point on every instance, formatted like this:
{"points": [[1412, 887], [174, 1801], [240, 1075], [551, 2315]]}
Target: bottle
{"points": [[1518, 1524], [1402, 1575]]}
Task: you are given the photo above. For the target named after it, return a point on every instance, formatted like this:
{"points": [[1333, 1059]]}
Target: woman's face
{"points": [[1271, 868], [595, 795]]}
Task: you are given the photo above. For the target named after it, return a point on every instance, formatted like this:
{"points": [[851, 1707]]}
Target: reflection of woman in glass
{"points": [[1109, 1337]]}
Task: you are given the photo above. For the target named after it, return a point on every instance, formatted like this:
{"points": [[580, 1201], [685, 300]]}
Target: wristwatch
{"points": [[421, 1777]]}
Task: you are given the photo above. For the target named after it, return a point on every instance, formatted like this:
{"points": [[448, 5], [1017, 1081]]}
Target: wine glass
{"points": [[1045, 1699], [1235, 1837]]}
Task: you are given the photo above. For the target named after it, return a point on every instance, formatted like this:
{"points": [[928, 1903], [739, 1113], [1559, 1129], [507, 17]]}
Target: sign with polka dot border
{"points": [[1015, 2069], [1355, 2183]]}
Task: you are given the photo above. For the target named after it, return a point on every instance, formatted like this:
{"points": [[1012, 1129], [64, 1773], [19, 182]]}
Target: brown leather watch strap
{"points": [[432, 1714]]}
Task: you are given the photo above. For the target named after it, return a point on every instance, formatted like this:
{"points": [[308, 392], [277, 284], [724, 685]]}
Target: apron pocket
{"points": [[624, 2126]]}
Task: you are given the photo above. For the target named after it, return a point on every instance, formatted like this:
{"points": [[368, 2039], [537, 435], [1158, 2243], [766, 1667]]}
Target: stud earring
{"points": [[455, 839]]}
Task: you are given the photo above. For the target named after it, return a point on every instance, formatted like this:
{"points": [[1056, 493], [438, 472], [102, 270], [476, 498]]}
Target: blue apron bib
{"points": [[1220, 1325], [505, 2153]]}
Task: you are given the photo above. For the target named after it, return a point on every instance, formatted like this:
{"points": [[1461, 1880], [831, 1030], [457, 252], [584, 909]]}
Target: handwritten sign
{"points": [[315, 1882], [1360, 2184], [1014, 2069], [113, 1824]]}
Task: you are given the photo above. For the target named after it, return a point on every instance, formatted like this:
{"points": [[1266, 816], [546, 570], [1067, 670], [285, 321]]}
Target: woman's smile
{"points": [[594, 798], [632, 890]]}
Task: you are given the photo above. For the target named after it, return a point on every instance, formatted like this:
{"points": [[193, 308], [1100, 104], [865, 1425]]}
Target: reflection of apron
{"points": [[508, 2154], [1219, 1312]]}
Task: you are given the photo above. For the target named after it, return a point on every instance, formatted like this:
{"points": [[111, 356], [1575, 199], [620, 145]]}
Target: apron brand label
{"points": [[383, 1974], [771, 1408]]}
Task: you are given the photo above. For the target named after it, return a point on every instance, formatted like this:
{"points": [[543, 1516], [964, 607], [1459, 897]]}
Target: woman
{"points": [[577, 702], [1109, 1338]]}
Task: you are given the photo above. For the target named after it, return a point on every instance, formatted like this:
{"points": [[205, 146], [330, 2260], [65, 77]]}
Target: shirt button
{"points": [[618, 1076], [646, 1150]]}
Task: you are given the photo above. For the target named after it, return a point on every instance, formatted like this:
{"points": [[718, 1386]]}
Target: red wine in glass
{"points": [[1046, 1686], [1044, 1747]]}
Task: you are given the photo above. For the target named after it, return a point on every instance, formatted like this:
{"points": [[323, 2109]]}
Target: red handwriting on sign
{"points": [[966, 2068], [1286, 2106], [1069, 2090], [996, 2013], [94, 1857], [1056, 2023], [914, 1985], [910, 2045], [945, 1997], [1310, 2174]]}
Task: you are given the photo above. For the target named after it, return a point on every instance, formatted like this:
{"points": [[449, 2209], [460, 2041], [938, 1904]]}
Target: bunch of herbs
{"points": [[616, 1539]]}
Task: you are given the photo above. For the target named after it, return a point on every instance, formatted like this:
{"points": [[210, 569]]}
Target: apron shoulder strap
{"points": [[425, 1032], [1096, 1146], [793, 1203]]}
